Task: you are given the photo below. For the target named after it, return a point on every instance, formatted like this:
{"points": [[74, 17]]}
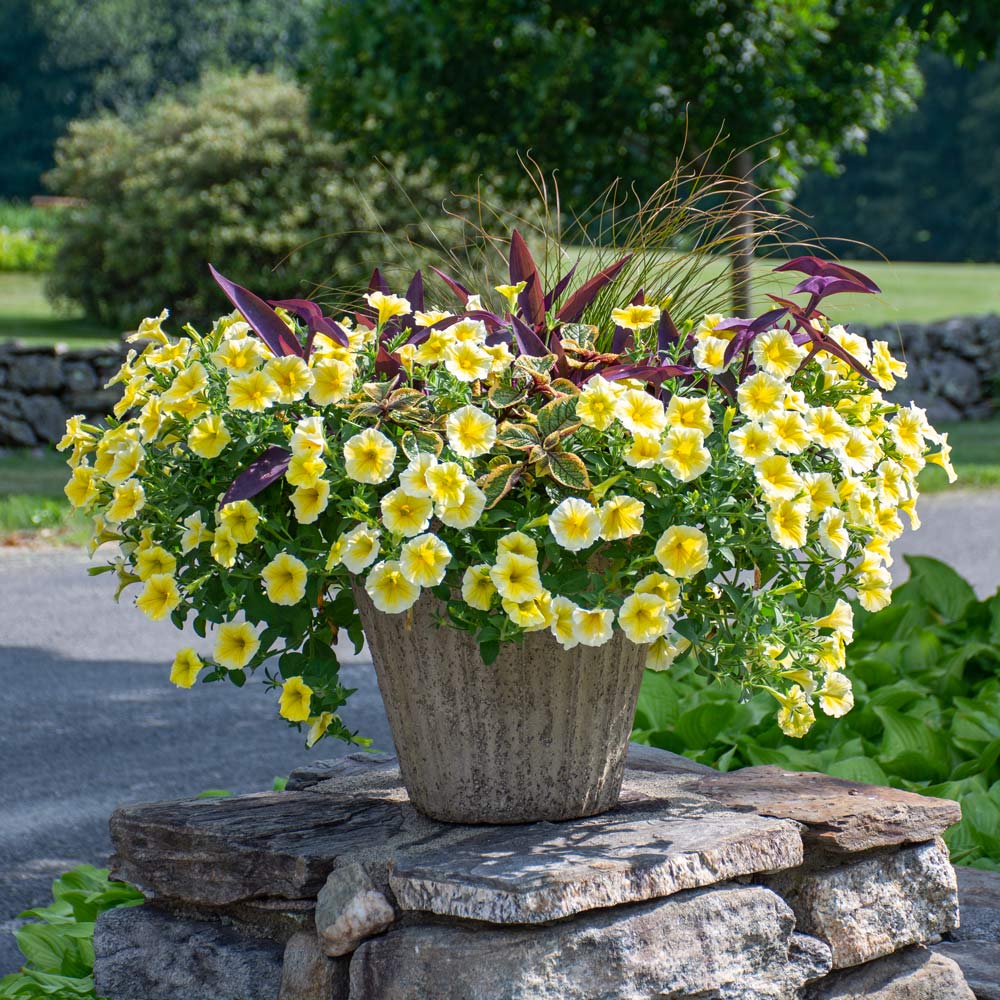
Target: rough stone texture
{"points": [[350, 908], [643, 758], [343, 767], [43, 385], [912, 974], [728, 943], [838, 815], [979, 962], [546, 872], [144, 954], [308, 974], [663, 838], [511, 743], [873, 906], [979, 899]]}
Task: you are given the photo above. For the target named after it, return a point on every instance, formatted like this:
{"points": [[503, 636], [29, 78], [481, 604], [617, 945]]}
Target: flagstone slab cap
{"points": [[548, 871], [839, 816], [661, 839]]}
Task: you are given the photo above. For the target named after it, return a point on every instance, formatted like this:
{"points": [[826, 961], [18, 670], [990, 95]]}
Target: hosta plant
{"points": [[563, 458]]}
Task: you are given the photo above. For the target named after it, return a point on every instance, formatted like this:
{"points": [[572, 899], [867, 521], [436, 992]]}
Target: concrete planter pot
{"points": [[540, 734]]}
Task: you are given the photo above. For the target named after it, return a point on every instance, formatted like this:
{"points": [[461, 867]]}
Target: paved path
{"points": [[88, 719]]}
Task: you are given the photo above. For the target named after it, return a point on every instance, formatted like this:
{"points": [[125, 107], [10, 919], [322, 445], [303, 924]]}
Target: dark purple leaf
{"points": [[666, 333], [258, 475], [560, 286], [522, 268], [575, 305], [527, 340], [639, 299], [386, 364], [829, 269], [648, 373], [740, 341], [415, 293], [459, 289], [622, 340], [263, 320], [766, 321], [378, 283], [821, 286], [317, 322]]}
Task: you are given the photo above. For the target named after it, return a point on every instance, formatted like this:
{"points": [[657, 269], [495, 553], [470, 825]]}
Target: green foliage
{"points": [[911, 196], [26, 239], [926, 673], [602, 91], [58, 943], [61, 58], [233, 173]]}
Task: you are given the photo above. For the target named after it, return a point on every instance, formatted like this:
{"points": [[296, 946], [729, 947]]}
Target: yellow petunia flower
{"points": [[778, 479], [235, 645], [516, 577], [153, 561], [858, 453], [310, 501], [446, 483], [663, 652], [434, 349], [562, 622], [840, 619], [752, 442], [467, 361], [224, 547], [643, 618], [826, 427], [404, 514], [389, 589], [531, 615], [466, 513], [159, 597], [575, 524], [684, 453], [361, 548], [832, 533], [511, 292], [430, 317], [209, 437], [151, 419], [305, 469], [621, 517], [308, 437], [318, 727], [285, 579], [126, 463], [291, 375], [81, 490], [640, 412], [835, 696], [127, 500], [593, 627], [666, 588], [760, 395], [471, 432], [636, 317], [369, 456], [195, 532], [413, 478], [710, 355], [788, 430], [187, 383], [597, 404], [239, 355], [874, 590], [644, 452], [254, 392], [241, 518], [682, 551], [477, 587], [795, 716], [518, 543], [424, 560], [387, 306], [332, 381], [295, 698], [184, 670], [788, 522], [694, 413], [885, 367], [776, 353]]}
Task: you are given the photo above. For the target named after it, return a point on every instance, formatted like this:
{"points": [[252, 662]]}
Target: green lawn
{"points": [[27, 314]]}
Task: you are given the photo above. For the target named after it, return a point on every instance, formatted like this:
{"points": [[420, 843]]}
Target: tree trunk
{"points": [[743, 242]]}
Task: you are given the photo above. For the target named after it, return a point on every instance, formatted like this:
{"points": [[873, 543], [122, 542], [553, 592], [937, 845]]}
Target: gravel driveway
{"points": [[88, 719]]}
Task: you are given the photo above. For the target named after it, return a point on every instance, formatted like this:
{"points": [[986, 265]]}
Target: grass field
{"points": [[27, 314], [910, 292]]}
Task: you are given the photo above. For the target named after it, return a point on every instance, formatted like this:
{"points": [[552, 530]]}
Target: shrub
{"points": [[232, 172], [926, 674], [26, 239]]}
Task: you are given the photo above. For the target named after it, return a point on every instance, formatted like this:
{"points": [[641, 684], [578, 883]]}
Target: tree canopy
{"points": [[601, 91]]}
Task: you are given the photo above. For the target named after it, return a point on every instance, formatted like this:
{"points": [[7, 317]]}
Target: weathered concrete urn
{"points": [[540, 734]]}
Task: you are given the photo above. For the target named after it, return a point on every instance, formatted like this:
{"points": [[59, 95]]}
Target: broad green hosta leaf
{"points": [[940, 586], [862, 769]]}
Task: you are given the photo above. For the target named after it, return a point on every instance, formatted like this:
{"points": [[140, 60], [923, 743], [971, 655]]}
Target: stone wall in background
{"points": [[954, 364], [954, 371]]}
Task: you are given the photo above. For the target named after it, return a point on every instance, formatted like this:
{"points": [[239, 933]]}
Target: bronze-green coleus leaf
{"points": [[501, 396], [517, 436], [568, 469], [499, 481], [418, 440], [555, 416]]}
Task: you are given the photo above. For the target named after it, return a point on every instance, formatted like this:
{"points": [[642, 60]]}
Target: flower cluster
{"points": [[720, 488]]}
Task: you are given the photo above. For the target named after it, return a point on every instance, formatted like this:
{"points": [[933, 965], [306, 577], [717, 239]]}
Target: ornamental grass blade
{"points": [[263, 320], [560, 286], [258, 475], [523, 268], [575, 305]]}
